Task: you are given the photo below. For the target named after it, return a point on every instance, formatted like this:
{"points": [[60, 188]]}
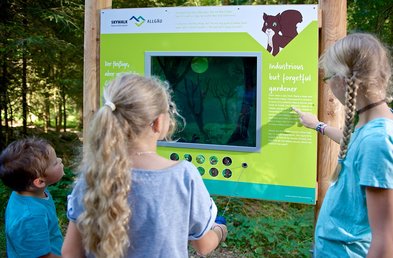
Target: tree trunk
{"points": [[80, 118], [24, 88], [195, 96], [241, 131], [56, 112], [47, 113], [11, 119], [64, 108], [59, 117], [3, 105]]}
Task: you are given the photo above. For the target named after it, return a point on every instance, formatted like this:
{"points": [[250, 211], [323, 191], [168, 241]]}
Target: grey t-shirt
{"points": [[169, 207]]}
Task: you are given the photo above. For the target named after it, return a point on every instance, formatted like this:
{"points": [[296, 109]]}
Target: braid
{"points": [[350, 111]]}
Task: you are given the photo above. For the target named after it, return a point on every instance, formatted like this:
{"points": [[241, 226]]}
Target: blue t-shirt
{"points": [[169, 207], [343, 229], [31, 226]]}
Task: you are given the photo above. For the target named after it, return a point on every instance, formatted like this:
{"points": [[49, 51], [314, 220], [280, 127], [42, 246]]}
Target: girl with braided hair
{"points": [[128, 201], [356, 217]]}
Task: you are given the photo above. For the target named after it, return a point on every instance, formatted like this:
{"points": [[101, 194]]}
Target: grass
{"points": [[268, 229]]}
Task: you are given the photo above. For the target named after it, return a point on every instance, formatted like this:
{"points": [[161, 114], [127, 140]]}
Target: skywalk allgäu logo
{"points": [[138, 21]]}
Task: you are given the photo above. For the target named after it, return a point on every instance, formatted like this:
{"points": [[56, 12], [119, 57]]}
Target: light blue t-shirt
{"points": [[169, 207], [31, 226], [343, 229]]}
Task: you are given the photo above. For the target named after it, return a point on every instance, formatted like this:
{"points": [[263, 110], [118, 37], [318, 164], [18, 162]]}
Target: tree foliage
{"points": [[375, 16], [41, 53]]}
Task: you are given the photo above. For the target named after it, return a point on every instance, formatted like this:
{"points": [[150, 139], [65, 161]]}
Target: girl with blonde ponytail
{"points": [[356, 217], [128, 200]]}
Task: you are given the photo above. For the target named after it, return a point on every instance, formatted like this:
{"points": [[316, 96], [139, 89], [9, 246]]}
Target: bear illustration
{"points": [[280, 29]]}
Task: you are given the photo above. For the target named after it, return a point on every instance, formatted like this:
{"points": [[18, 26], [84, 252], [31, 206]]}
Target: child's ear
{"points": [[157, 124], [39, 183]]}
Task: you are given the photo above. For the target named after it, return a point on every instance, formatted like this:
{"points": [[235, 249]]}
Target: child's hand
{"points": [[307, 119]]}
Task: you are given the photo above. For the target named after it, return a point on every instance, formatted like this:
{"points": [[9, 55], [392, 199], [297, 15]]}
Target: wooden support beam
{"points": [[334, 27], [91, 65]]}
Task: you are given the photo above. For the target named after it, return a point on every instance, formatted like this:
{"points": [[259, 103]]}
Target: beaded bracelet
{"points": [[321, 128]]}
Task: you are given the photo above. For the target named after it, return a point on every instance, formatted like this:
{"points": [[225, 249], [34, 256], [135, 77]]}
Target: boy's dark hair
{"points": [[23, 161]]}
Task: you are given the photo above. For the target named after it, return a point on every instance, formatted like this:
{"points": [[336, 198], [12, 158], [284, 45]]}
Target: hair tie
{"points": [[111, 105]]}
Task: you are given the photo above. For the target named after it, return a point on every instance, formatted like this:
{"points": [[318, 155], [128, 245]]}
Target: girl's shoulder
{"points": [[376, 133], [177, 166], [383, 125], [152, 162], [180, 171]]}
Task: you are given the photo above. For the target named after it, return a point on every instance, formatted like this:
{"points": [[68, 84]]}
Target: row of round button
{"points": [[200, 159], [227, 173]]}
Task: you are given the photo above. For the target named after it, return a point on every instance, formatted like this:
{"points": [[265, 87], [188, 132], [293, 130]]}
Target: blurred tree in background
{"points": [[375, 16]]}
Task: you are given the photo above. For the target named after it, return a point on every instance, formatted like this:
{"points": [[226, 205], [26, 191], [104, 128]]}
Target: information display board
{"points": [[235, 72]]}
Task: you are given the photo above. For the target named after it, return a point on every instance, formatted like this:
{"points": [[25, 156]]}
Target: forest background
{"points": [[41, 94]]}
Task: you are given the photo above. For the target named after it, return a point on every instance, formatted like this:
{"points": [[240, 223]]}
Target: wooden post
{"points": [[333, 27], [91, 65]]}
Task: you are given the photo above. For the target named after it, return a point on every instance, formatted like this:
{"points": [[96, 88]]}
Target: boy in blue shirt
{"points": [[28, 166]]}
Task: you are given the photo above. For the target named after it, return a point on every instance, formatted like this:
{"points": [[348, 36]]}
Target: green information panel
{"points": [[235, 73]]}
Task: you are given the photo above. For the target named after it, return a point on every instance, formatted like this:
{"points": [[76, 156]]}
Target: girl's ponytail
{"points": [[132, 103], [104, 224]]}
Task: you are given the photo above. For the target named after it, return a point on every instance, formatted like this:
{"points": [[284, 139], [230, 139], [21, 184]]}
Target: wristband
{"points": [[321, 128], [220, 232]]}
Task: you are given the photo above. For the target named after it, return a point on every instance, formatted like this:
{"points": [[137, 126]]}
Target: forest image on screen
{"points": [[217, 97]]}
